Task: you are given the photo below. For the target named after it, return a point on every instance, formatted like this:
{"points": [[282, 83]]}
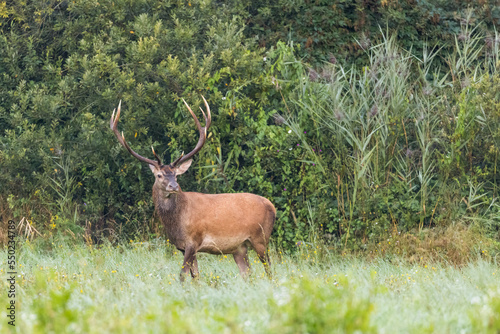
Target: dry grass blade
{"points": [[26, 228]]}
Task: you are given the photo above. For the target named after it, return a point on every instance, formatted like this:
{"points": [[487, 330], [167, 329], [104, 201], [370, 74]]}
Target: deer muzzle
{"points": [[172, 187]]}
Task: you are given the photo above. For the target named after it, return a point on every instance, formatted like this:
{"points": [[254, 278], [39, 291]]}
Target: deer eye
{"points": [[159, 176]]}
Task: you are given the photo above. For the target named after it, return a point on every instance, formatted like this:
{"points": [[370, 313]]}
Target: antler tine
{"points": [[112, 119], [208, 120], [202, 130], [192, 114], [156, 156], [121, 138], [178, 159]]}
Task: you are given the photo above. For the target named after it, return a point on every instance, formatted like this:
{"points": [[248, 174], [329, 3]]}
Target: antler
{"points": [[203, 133], [121, 138]]}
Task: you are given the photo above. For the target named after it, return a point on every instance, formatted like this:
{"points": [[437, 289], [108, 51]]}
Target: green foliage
{"points": [[303, 308], [486, 318], [80, 60], [341, 31], [54, 312], [405, 138], [399, 145]]}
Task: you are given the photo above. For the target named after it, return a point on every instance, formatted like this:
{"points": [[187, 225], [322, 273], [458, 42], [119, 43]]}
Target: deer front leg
{"points": [[194, 268], [190, 263]]}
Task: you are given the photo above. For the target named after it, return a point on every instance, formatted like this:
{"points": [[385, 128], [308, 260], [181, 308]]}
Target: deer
{"points": [[229, 223]]}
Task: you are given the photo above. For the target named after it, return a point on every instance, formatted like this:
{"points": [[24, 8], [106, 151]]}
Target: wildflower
{"points": [[131, 31], [289, 131], [284, 189], [223, 97], [298, 144], [265, 58]]}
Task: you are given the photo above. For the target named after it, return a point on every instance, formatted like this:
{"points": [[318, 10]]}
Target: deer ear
{"points": [[152, 168], [184, 167]]}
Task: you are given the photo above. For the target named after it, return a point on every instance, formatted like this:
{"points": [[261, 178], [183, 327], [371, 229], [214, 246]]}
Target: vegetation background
{"points": [[371, 125]]}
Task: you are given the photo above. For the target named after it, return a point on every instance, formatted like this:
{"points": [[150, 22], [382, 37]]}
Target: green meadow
{"points": [[135, 288]]}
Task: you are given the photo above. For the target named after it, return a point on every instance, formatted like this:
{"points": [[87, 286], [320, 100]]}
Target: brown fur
{"points": [[215, 224]]}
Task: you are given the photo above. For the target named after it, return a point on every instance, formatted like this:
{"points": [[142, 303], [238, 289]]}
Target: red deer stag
{"points": [[195, 222]]}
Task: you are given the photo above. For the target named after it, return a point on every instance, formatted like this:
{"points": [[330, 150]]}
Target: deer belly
{"points": [[225, 245]]}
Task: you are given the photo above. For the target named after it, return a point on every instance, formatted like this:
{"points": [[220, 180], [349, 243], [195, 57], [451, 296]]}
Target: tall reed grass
{"points": [[402, 140]]}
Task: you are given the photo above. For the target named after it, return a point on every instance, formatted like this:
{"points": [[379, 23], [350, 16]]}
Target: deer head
{"points": [[166, 175]]}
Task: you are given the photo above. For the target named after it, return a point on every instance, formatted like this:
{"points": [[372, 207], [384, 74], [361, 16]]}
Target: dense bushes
{"points": [[342, 30], [408, 147], [397, 143]]}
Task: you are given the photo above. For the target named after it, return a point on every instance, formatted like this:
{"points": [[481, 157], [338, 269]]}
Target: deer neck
{"points": [[170, 208]]}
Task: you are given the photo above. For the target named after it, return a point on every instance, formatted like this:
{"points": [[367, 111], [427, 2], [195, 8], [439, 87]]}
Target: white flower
{"points": [[290, 148], [265, 58], [289, 131], [223, 97], [475, 300]]}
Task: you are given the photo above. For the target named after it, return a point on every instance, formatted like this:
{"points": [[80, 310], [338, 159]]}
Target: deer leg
{"points": [[194, 268], [263, 255], [241, 259], [189, 259]]}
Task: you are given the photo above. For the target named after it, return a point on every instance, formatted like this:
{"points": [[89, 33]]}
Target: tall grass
{"points": [[134, 288], [403, 140]]}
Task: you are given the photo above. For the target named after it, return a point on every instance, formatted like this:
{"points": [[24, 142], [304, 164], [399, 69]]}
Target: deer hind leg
{"points": [[261, 250], [241, 259], [190, 263]]}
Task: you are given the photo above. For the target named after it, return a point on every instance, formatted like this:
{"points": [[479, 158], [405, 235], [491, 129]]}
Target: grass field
{"points": [[134, 288]]}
